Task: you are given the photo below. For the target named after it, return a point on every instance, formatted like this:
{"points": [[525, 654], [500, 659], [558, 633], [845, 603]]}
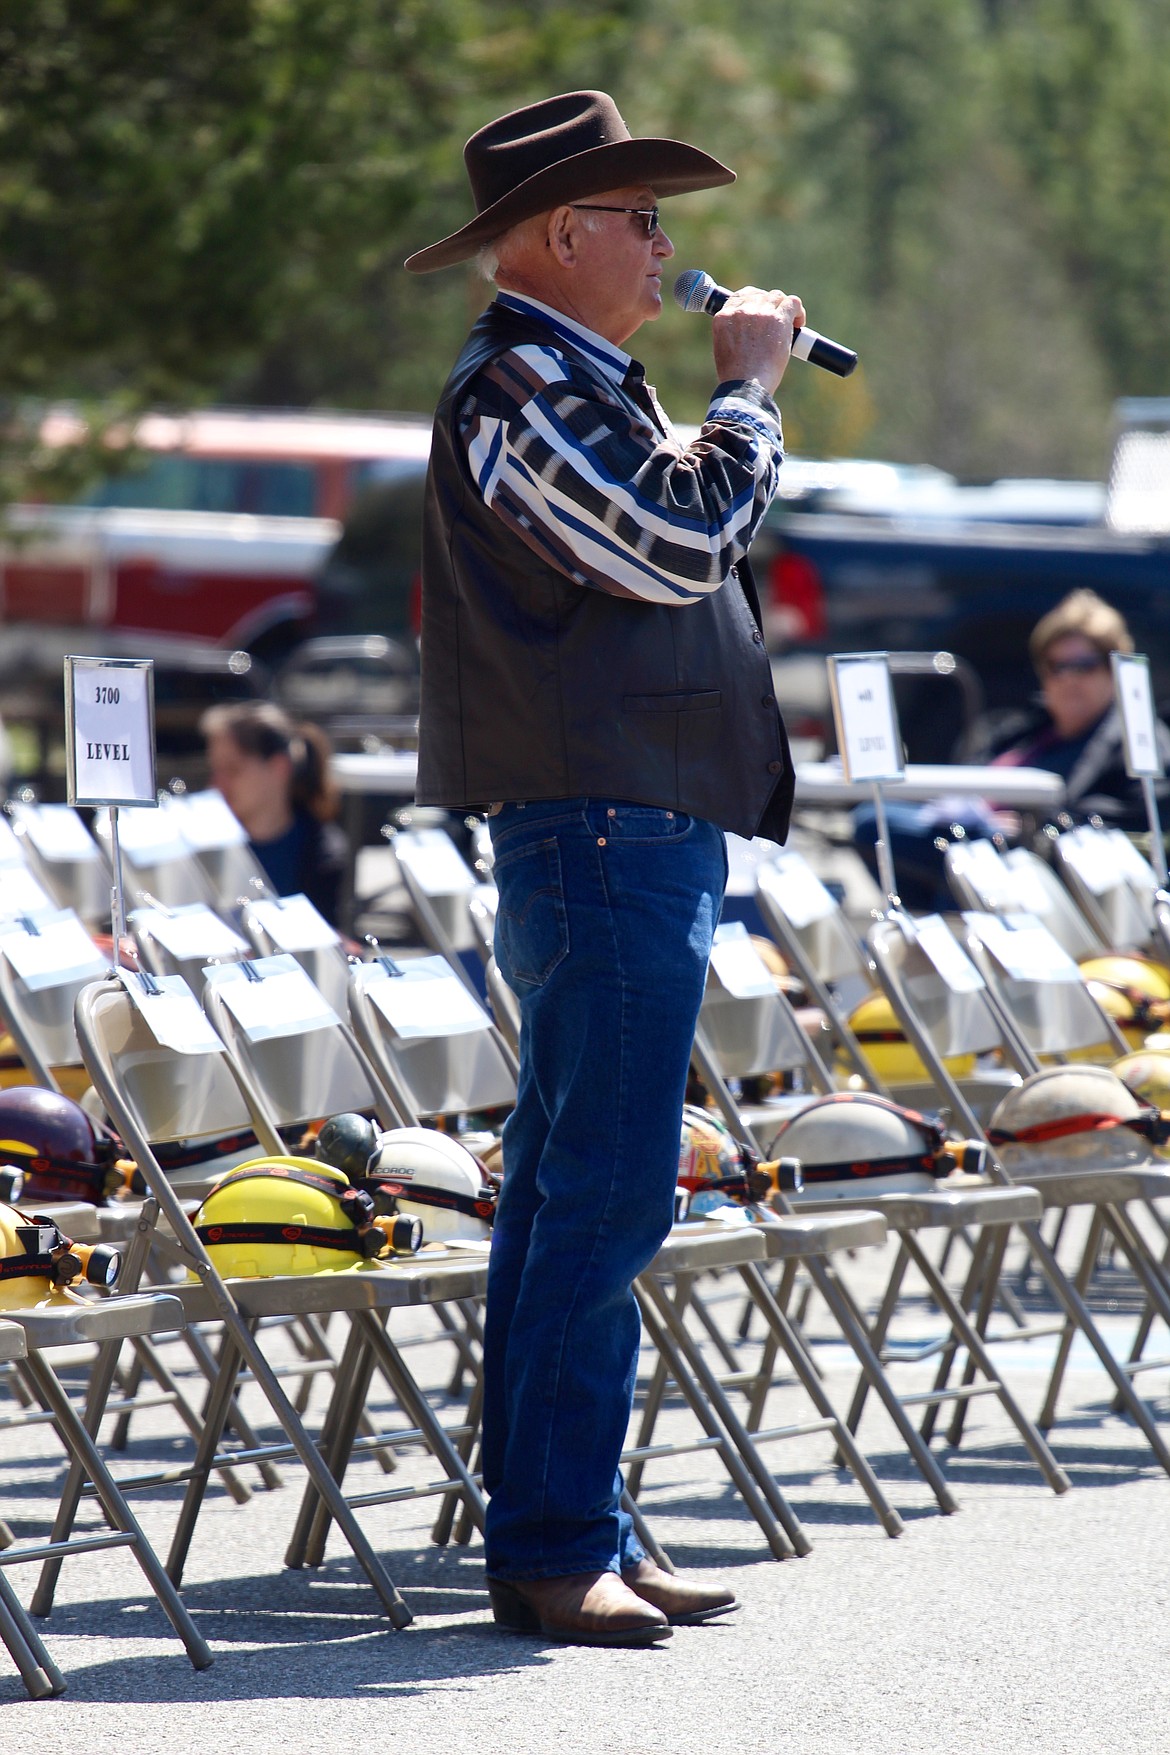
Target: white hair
{"points": [[489, 258]]}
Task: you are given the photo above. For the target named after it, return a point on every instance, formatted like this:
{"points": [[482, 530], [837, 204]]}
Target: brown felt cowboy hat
{"points": [[557, 151]]}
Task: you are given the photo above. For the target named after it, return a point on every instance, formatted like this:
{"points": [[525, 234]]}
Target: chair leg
{"points": [[988, 1293], [78, 1443], [38, 1672], [656, 1391], [1084, 1274], [877, 1333], [956, 1316]]}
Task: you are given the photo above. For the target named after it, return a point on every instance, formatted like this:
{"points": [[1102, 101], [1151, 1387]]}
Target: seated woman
{"points": [[274, 776], [1073, 730]]}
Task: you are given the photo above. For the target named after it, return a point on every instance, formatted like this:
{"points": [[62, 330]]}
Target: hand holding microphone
{"points": [[760, 350]]}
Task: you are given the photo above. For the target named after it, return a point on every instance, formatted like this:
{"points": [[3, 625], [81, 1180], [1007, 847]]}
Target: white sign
{"points": [[867, 721], [172, 1013], [283, 1002], [946, 955], [1131, 684], [109, 713], [741, 970], [293, 924], [1023, 947], [58, 951], [426, 999], [148, 841]]}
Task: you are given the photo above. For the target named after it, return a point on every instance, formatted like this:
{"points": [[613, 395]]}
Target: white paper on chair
{"points": [[20, 893], [434, 861], [57, 832], [741, 970], [293, 924], [205, 821], [59, 951], [1023, 947], [172, 1014], [11, 852], [191, 932], [946, 955], [150, 838], [284, 1002], [427, 999], [800, 892]]}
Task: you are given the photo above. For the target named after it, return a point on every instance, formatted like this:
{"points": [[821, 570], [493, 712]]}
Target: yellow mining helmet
{"points": [[294, 1216], [1147, 1075], [1134, 991], [38, 1263], [884, 1045]]}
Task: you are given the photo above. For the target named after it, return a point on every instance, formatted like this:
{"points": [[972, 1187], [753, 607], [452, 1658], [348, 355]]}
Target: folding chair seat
{"points": [[64, 857], [897, 947], [110, 1021], [439, 885], [42, 1328]]}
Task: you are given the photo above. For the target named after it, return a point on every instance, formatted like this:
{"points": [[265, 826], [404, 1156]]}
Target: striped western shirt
{"points": [[569, 446]]}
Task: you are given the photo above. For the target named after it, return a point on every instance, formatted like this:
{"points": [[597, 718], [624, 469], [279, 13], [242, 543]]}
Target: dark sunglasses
{"points": [[1073, 666], [648, 215]]}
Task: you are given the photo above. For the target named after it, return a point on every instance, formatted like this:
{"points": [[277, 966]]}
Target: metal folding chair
{"points": [[26, 1648], [45, 961], [278, 925], [988, 881], [183, 940], [105, 1321], [1112, 884], [64, 857], [135, 1073], [157, 863], [218, 844], [896, 944]]}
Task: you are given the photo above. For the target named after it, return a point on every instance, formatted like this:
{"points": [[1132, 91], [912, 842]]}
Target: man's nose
{"points": [[662, 244]]}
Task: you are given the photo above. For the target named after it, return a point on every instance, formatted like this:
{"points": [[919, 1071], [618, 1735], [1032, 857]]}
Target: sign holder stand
{"points": [[870, 742], [1131, 686], [110, 751]]}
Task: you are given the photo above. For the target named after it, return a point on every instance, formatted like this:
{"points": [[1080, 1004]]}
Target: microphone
{"points": [[695, 290]]}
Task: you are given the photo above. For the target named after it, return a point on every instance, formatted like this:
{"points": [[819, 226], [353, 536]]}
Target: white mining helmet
{"points": [[851, 1143], [1074, 1114], [430, 1176]]}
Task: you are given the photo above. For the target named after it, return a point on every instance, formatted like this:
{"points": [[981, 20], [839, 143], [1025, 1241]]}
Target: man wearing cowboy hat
{"points": [[593, 675]]}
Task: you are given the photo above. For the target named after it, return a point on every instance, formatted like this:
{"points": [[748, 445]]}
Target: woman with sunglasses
{"points": [[1073, 729]]}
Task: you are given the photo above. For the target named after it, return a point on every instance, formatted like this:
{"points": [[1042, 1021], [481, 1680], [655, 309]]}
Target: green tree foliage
{"points": [[214, 202]]}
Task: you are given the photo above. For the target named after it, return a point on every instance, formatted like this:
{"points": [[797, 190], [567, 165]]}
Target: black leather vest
{"points": [[534, 687]]}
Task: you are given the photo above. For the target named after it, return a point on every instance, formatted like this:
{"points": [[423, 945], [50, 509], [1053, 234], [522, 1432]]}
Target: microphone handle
{"points": [[818, 350]]}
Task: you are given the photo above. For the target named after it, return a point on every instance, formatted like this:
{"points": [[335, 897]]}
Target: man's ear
{"points": [[561, 238]]}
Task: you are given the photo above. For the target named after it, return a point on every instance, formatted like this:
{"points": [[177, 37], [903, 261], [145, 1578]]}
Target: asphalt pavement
{"points": [[1024, 1622]]}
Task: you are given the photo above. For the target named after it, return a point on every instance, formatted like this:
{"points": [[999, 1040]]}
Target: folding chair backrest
{"points": [[182, 941], [749, 1027], [65, 858], [296, 1060], [219, 844], [983, 879], [812, 931], [1112, 884], [439, 884], [437, 1048], [157, 863], [161, 1063], [1039, 985], [45, 961], [278, 924]]}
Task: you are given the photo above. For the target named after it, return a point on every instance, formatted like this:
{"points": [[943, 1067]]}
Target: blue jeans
{"points": [[604, 930]]}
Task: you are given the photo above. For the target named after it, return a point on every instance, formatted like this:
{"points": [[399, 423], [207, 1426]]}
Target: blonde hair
{"points": [[1081, 612]]}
